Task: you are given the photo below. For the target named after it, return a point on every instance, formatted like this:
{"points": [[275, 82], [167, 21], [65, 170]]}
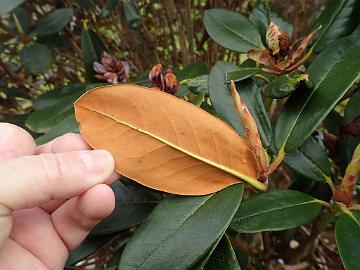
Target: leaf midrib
{"points": [[237, 174], [310, 96], [174, 231], [249, 41], [276, 209]]}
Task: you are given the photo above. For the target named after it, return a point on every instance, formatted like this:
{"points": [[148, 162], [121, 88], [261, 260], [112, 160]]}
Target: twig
{"points": [[12, 76]]}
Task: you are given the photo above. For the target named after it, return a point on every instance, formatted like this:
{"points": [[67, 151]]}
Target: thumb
{"points": [[30, 181]]}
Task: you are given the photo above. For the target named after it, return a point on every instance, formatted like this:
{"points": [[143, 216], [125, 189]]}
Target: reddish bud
{"points": [[171, 83], [284, 43], [156, 77]]}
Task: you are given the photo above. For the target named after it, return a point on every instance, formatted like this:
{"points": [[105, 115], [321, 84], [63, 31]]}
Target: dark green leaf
{"points": [[223, 257], [132, 207], [36, 58], [222, 101], [54, 22], [241, 74], [283, 85], [132, 15], [318, 190], [181, 227], [310, 160], [199, 84], [352, 108], [332, 122], [23, 18], [232, 30], [59, 106], [220, 94], [66, 125], [274, 211], [347, 146], [259, 17], [339, 19], [8, 5], [198, 100], [332, 72], [17, 92], [348, 239], [190, 71], [92, 47]]}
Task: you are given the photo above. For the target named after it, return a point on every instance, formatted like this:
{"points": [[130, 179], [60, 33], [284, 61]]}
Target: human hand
{"points": [[51, 196]]}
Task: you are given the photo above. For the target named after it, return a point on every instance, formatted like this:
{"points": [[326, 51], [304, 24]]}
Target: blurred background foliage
{"points": [[46, 44]]}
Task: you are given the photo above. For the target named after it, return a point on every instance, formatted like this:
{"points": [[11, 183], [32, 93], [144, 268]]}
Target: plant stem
{"points": [[262, 77]]}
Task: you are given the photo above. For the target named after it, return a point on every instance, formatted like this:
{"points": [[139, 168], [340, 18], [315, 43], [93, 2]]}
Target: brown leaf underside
{"points": [[148, 131]]}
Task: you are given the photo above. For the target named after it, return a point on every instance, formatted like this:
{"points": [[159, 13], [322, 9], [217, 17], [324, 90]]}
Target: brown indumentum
{"points": [[167, 83], [111, 69]]}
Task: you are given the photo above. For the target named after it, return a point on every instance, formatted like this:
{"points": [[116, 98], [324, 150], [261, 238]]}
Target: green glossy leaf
{"points": [[198, 100], [199, 84], [54, 22], [347, 233], [310, 160], [232, 30], [274, 211], [332, 72], [284, 85], [92, 47], [190, 71], [204, 259], [332, 122], [36, 58], [241, 74], [223, 257], [55, 106], [352, 108], [339, 19], [220, 94], [223, 104], [131, 208], [8, 5], [181, 227], [66, 125]]}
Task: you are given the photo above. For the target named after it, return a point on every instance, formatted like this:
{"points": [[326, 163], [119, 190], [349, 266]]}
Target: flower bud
{"points": [[111, 69], [156, 77], [272, 38], [170, 82], [284, 44]]}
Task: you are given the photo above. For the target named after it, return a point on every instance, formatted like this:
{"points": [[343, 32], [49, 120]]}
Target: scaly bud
{"points": [[111, 69], [170, 82], [345, 191], [284, 44], [167, 83], [156, 77], [252, 134], [272, 38]]}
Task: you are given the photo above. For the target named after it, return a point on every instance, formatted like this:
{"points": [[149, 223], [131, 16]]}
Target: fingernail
{"points": [[97, 162]]}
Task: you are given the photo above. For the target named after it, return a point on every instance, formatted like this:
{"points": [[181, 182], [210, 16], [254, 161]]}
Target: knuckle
{"points": [[51, 167]]}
